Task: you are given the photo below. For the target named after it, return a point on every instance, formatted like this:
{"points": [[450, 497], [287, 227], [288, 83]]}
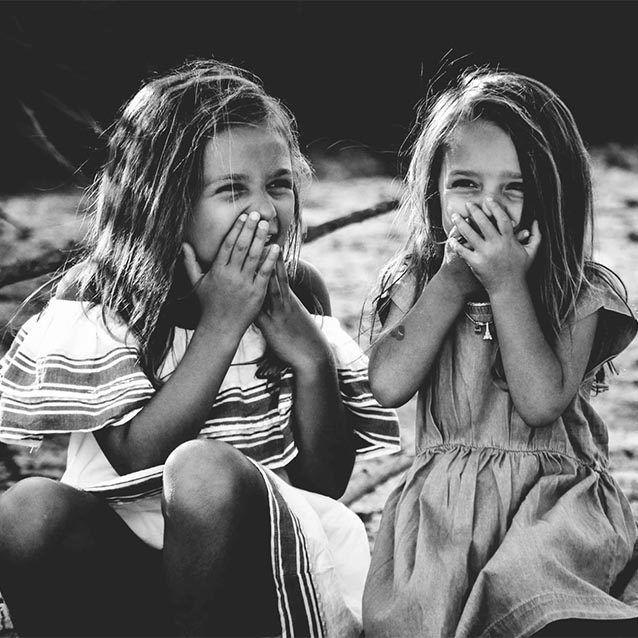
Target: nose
{"points": [[264, 205], [491, 193]]}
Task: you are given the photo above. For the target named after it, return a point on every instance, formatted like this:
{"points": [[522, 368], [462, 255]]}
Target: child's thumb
{"points": [[193, 270]]}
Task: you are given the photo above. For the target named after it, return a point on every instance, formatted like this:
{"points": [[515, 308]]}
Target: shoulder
{"points": [[309, 286], [68, 287], [602, 290], [399, 284], [604, 294]]}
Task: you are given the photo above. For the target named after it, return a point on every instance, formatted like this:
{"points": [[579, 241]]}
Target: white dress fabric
{"points": [[68, 371]]}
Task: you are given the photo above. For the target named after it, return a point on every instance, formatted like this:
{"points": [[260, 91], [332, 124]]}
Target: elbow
{"points": [[385, 394], [536, 417], [337, 487]]}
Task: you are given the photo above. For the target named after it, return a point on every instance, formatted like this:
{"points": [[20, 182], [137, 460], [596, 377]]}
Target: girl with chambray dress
{"points": [[214, 407], [508, 522]]}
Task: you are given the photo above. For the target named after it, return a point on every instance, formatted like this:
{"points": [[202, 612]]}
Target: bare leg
{"points": [[69, 566], [217, 543]]}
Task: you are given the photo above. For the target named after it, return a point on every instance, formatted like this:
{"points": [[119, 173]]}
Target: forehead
{"points": [[242, 148], [477, 144]]}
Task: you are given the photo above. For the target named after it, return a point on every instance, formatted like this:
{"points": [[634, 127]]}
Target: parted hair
{"points": [[556, 173], [143, 196]]}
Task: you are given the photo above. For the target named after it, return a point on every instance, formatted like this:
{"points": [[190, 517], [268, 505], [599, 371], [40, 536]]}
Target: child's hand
{"points": [[455, 267], [232, 292], [495, 253], [288, 327]]}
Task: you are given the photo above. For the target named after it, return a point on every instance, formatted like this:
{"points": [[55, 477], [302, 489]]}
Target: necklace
{"points": [[483, 311]]}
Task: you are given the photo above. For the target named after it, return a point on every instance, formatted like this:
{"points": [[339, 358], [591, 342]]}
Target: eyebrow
{"points": [[464, 172], [237, 177]]}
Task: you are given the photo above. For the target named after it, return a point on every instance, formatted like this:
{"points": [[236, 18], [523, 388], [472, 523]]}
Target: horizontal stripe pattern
{"points": [[66, 373]]}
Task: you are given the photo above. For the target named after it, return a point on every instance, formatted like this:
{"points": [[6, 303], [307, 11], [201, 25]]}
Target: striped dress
{"points": [[69, 372]]}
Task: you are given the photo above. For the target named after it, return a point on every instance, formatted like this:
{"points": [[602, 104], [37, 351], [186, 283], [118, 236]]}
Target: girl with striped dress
{"points": [[214, 406]]}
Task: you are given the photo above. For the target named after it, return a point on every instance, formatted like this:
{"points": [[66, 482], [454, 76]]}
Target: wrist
{"points": [[226, 331], [451, 287], [314, 365], [506, 290]]}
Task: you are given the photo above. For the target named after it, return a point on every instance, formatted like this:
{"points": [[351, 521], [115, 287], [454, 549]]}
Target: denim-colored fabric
{"points": [[498, 528]]}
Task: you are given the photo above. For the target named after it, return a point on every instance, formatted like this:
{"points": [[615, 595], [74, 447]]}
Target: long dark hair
{"points": [[556, 172], [143, 197]]}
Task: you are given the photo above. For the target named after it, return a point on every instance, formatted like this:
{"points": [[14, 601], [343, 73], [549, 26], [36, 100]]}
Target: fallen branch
{"points": [[54, 258], [47, 262], [391, 467], [23, 231], [315, 232], [41, 140]]}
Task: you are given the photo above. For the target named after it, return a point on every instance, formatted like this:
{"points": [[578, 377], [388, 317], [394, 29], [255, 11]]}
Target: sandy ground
{"points": [[350, 260]]}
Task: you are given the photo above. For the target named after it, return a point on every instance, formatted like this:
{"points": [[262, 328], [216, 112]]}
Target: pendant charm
{"points": [[488, 335]]}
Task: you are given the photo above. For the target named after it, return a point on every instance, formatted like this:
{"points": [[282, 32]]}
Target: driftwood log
{"points": [[54, 258]]}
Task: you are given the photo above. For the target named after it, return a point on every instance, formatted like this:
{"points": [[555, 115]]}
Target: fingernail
{"points": [[254, 216], [242, 217], [263, 224], [275, 248]]}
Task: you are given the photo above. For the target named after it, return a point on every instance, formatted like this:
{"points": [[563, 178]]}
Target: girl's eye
{"points": [[463, 183], [230, 189], [281, 184], [516, 188]]}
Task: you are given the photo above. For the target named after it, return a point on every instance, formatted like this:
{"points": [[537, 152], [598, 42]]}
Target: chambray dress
{"points": [[498, 528], [69, 371]]}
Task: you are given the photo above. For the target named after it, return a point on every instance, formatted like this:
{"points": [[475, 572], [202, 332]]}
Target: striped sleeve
{"points": [[67, 372], [376, 428]]}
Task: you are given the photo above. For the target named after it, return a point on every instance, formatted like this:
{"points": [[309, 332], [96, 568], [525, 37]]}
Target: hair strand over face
{"points": [[143, 197], [556, 175]]}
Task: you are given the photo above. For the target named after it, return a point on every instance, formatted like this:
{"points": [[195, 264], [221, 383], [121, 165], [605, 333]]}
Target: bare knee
{"points": [[208, 478], [37, 515]]}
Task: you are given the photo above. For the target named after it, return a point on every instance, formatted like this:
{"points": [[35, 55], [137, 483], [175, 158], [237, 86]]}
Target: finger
{"points": [[454, 232], [535, 239], [282, 278], [274, 289], [244, 240], [461, 251], [504, 222], [522, 236], [226, 249], [193, 271], [466, 231], [268, 266], [256, 248], [482, 221]]}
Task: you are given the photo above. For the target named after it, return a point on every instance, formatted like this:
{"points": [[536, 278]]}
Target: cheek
{"points": [[286, 213], [515, 211], [206, 231], [451, 204]]}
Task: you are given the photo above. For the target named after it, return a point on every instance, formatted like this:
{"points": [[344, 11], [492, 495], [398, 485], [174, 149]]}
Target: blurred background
{"points": [[352, 72]]}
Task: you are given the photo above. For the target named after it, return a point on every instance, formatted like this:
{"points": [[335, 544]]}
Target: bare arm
{"points": [[230, 294], [322, 431], [403, 356], [542, 379]]}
